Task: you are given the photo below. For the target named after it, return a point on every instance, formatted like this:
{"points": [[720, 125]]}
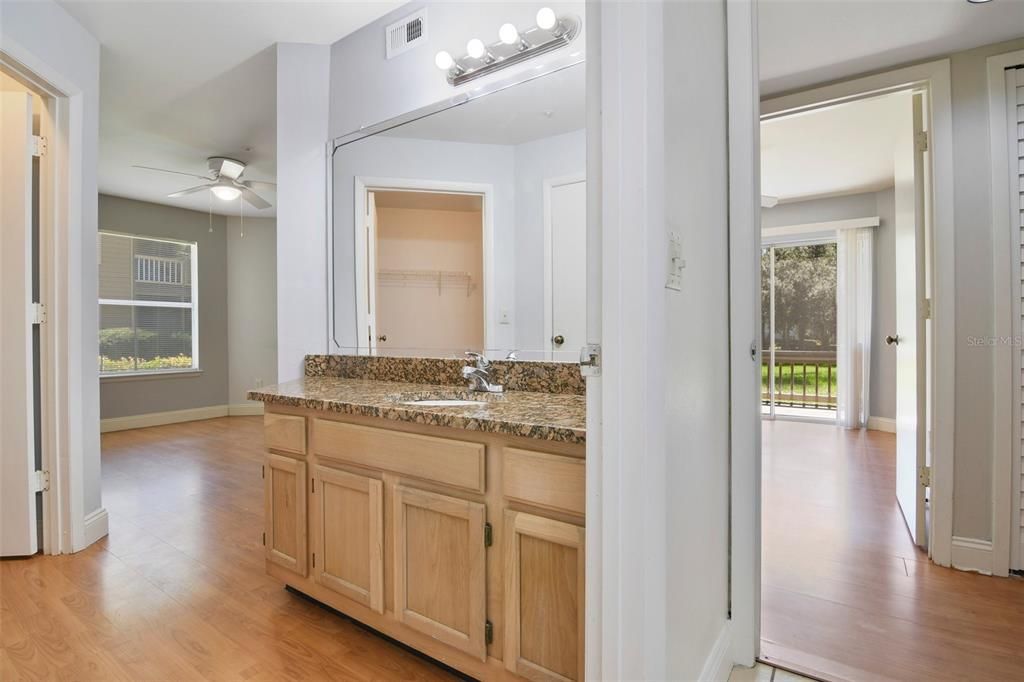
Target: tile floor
{"points": [[763, 673]]}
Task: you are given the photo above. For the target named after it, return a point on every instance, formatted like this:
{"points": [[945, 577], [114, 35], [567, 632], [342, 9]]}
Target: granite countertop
{"points": [[545, 416]]}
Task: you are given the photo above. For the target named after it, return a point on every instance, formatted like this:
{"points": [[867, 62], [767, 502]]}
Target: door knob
{"points": [[558, 340], [892, 340], [383, 338]]}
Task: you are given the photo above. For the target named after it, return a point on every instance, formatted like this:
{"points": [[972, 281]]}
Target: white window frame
{"points": [[194, 305]]}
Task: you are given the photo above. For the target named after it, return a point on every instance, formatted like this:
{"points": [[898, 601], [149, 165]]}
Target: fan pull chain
{"points": [[210, 197], [241, 219]]}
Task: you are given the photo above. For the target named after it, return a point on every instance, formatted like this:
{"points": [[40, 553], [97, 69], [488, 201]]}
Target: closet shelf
{"points": [[441, 279]]}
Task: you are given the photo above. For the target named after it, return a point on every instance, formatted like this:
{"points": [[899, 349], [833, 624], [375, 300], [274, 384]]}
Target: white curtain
{"points": [[853, 325]]}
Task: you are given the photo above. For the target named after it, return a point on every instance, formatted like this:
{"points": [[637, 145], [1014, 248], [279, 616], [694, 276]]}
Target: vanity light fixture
{"points": [[513, 47]]}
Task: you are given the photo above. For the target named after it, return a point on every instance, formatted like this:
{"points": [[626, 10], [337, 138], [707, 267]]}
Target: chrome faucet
{"points": [[479, 375]]}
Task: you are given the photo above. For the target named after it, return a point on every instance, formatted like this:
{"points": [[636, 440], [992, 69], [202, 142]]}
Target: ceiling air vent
{"points": [[406, 34]]}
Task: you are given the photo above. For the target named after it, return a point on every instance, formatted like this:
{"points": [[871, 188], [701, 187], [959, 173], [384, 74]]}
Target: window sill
{"points": [[160, 374]]}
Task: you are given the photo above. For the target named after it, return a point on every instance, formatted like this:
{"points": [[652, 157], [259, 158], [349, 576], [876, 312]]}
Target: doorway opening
{"points": [[846, 342], [424, 264]]}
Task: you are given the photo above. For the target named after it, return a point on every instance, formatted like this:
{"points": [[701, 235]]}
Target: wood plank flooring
{"points": [[845, 593], [178, 591]]}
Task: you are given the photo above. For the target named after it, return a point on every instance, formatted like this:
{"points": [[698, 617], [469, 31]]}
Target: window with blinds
{"points": [[147, 299]]}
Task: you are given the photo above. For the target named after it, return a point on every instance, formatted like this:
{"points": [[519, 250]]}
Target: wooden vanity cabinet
{"points": [[467, 546]]}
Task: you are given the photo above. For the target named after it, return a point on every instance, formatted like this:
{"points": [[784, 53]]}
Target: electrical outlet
{"points": [[504, 316], [676, 264], [259, 382]]}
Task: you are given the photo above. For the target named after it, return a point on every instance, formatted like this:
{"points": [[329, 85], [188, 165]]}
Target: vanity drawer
{"points": [[551, 481], [442, 460], [284, 432]]}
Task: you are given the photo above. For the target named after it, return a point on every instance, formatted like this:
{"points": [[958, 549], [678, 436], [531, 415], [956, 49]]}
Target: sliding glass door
{"points": [[798, 330]]}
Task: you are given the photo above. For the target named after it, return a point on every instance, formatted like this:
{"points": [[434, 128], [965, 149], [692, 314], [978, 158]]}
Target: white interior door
{"points": [[566, 280], [17, 435], [909, 335], [371, 270]]}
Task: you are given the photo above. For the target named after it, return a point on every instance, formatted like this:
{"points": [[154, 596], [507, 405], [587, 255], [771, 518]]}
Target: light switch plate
{"points": [[674, 279]]}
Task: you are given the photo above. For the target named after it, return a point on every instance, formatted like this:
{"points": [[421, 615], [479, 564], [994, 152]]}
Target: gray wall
{"points": [[121, 397], [883, 312], [252, 306]]}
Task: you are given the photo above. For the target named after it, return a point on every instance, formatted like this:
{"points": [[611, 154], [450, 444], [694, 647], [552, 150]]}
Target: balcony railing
{"points": [[802, 379]]}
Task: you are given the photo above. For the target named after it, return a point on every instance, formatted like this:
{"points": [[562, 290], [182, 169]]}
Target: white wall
{"points": [[378, 88], [302, 104], [43, 37], [537, 161], [251, 305], [696, 354], [883, 310]]}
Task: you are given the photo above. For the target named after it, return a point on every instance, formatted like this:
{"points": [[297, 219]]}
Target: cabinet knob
{"points": [[558, 340], [383, 338]]}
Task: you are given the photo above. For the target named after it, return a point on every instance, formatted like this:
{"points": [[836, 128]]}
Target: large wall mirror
{"points": [[466, 228]]}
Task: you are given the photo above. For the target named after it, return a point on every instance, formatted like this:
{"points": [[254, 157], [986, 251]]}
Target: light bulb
{"points": [[508, 34], [226, 192], [443, 60], [546, 18], [475, 48]]}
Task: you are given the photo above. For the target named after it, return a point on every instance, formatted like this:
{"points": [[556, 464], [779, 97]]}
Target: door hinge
{"points": [[263, 471], [38, 146], [590, 360], [37, 312], [264, 539], [314, 559], [488, 535], [41, 481], [312, 485], [927, 309], [488, 632], [924, 476], [921, 140]]}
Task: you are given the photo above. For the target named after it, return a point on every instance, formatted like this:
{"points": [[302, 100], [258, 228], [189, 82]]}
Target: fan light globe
{"points": [[475, 48], [443, 60], [225, 192], [508, 34], [546, 18]]}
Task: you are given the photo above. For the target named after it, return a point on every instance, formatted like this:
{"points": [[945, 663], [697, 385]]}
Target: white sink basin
{"points": [[433, 402]]}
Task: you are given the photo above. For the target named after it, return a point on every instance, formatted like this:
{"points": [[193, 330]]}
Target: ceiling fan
{"points": [[224, 181]]}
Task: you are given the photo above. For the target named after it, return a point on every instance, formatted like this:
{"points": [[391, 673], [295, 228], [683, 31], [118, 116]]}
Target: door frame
{"points": [[1006, 437], [934, 78], [549, 289], [365, 184], [65, 527]]}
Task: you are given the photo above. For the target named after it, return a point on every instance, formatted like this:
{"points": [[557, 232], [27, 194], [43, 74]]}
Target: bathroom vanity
{"points": [[457, 529]]}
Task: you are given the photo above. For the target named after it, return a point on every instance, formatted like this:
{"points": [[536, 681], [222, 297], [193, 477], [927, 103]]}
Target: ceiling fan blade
{"points": [[259, 183], [164, 170], [190, 190], [254, 199]]}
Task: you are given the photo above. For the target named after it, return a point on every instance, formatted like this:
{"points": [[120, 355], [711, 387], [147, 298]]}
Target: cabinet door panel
{"points": [[544, 561], [440, 581], [285, 511], [350, 541]]}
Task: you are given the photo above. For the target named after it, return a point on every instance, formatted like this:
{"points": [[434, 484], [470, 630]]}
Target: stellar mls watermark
{"points": [[994, 341]]}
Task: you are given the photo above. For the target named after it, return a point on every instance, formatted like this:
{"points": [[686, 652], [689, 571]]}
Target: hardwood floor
{"points": [[178, 591], [846, 594]]}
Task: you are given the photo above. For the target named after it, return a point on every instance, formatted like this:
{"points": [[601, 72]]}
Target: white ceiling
{"points": [[181, 81], [844, 149], [546, 106], [805, 42]]}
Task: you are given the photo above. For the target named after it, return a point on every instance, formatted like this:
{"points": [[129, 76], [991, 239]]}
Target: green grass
{"points": [[801, 375]]}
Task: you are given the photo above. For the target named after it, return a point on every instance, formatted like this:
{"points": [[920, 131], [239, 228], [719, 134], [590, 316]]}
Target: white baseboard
{"points": [[970, 554], [140, 421], [245, 409], [718, 664], [97, 525], [882, 424]]}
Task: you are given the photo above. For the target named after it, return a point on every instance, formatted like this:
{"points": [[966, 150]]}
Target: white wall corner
{"points": [[97, 525], [718, 664], [971, 554], [886, 424]]}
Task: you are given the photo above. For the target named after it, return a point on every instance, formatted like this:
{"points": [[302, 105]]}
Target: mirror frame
{"points": [[558, 64]]}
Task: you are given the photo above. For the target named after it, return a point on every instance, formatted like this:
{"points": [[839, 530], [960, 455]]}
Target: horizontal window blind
{"points": [[148, 312]]}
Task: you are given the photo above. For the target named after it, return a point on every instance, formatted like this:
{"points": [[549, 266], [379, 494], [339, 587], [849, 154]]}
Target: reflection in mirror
{"points": [[466, 229]]}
